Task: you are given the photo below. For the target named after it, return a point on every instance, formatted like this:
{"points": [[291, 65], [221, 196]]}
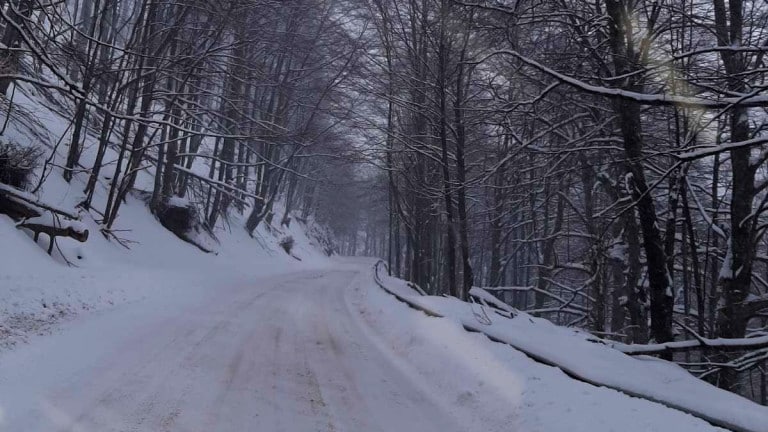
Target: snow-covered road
{"points": [[287, 354], [305, 351]]}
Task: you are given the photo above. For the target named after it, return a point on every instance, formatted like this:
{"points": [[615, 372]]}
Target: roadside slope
{"points": [[545, 397]]}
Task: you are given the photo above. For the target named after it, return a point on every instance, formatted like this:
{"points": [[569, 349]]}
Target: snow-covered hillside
{"points": [[139, 259], [566, 379], [37, 290]]}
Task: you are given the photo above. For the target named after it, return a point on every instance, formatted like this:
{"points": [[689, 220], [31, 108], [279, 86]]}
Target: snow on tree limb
{"points": [[753, 99]]}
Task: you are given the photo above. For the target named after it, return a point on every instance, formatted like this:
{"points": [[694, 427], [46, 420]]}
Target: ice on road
{"points": [[287, 354]]}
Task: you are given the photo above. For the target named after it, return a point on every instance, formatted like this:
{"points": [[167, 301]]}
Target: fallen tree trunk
{"points": [[719, 344], [53, 230], [26, 202], [40, 217]]}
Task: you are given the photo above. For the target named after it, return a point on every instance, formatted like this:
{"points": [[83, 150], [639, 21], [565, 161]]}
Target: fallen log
{"points": [[54, 230], [40, 217], [26, 199], [719, 344]]}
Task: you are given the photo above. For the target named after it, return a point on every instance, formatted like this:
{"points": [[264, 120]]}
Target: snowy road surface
{"points": [[287, 354], [307, 351]]}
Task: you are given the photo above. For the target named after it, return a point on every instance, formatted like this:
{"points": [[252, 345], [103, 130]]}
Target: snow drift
{"points": [[581, 356]]}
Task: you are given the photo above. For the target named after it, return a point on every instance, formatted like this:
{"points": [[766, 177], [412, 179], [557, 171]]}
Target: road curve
{"points": [[287, 354]]}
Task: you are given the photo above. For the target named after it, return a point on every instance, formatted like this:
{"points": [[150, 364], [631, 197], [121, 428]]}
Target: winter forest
{"points": [[602, 164]]}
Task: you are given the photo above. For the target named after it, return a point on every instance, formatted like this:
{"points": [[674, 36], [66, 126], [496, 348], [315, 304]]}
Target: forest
{"points": [[599, 163]]}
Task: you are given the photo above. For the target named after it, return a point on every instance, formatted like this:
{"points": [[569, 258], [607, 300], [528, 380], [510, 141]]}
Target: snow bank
{"points": [[579, 355], [503, 386], [37, 291]]}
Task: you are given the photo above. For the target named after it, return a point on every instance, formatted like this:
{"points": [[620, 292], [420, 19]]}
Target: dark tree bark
{"points": [[626, 62]]}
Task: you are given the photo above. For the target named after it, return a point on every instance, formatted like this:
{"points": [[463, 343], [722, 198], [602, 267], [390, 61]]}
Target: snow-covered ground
{"points": [[590, 359], [163, 337], [37, 290], [320, 349]]}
